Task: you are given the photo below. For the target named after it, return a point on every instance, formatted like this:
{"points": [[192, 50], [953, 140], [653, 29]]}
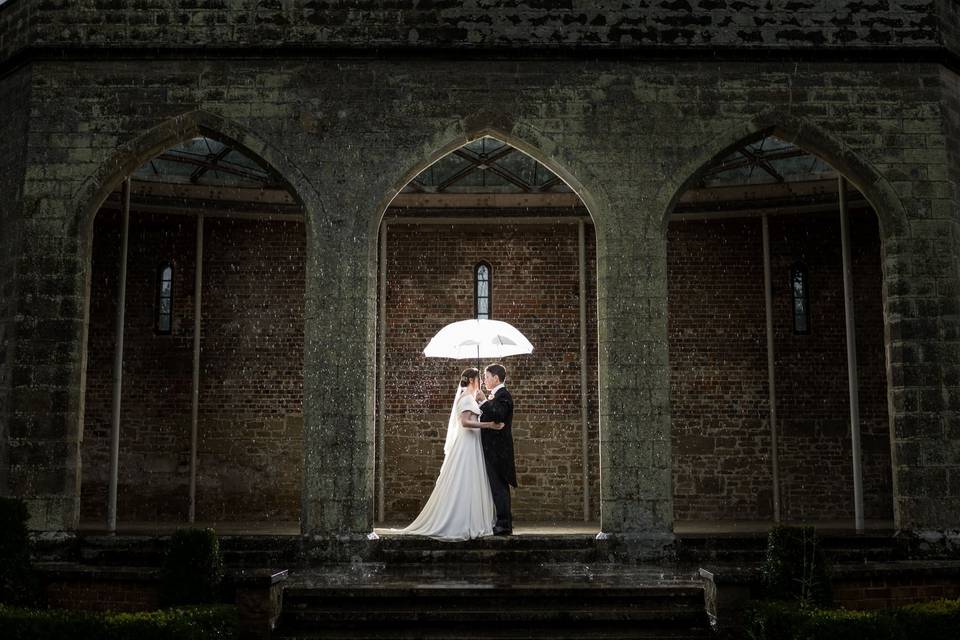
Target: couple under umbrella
{"points": [[471, 497]]}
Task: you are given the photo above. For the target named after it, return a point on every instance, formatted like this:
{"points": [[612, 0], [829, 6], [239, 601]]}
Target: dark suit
{"points": [[498, 453]]}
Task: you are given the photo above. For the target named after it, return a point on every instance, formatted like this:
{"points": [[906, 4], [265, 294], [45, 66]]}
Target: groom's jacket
{"points": [[498, 445]]}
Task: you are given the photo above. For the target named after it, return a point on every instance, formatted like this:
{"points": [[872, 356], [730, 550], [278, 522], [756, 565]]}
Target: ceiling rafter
{"points": [[212, 161], [206, 164], [474, 166]]}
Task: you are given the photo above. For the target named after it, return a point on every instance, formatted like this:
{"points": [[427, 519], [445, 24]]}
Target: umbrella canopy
{"points": [[477, 339]]}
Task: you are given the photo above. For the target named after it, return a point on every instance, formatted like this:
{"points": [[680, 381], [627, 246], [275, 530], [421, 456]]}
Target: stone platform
{"points": [[546, 583], [455, 600]]}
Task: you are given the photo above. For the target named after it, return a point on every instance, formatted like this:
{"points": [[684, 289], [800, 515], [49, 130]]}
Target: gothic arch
{"points": [[808, 136], [90, 196], [129, 156], [521, 136]]}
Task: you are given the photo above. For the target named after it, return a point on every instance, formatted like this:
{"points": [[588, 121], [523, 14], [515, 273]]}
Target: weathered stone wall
{"points": [[805, 24], [535, 277], [250, 423], [924, 327], [927, 428], [950, 24], [15, 95], [16, 26], [718, 369], [626, 135]]}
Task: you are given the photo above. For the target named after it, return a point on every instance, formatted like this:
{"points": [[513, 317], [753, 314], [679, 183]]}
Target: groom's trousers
{"points": [[501, 497]]}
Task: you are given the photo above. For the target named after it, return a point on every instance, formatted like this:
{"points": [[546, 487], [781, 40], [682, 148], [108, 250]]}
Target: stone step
{"points": [[494, 549], [489, 556], [451, 603], [556, 631], [148, 551], [753, 547], [133, 551], [464, 611], [527, 541]]}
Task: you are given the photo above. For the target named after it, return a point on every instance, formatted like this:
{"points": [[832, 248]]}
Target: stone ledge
{"points": [[256, 578]]}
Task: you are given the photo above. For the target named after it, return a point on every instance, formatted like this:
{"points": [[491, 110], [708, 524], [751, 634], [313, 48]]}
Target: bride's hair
{"points": [[468, 375]]}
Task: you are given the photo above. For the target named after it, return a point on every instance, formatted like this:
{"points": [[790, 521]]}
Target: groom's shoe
{"points": [[502, 531]]}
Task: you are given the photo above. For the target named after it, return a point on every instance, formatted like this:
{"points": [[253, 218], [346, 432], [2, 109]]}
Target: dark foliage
{"points": [[18, 582], [796, 567], [192, 568], [217, 622], [938, 620]]}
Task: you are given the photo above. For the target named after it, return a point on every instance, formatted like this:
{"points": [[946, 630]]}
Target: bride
{"points": [[461, 505]]}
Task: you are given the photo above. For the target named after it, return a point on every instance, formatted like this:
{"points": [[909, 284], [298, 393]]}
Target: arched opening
{"points": [[772, 418], [487, 231], [210, 426]]}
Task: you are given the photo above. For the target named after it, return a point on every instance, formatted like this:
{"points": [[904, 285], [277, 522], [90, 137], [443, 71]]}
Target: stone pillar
{"points": [[44, 406], [922, 273], [339, 377], [14, 92], [636, 492]]}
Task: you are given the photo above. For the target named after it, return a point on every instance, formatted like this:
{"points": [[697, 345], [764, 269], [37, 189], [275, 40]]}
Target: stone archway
{"points": [[229, 229], [725, 453], [536, 235]]}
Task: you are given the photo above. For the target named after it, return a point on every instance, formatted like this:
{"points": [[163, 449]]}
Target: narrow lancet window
{"points": [[482, 291], [164, 320], [801, 299]]}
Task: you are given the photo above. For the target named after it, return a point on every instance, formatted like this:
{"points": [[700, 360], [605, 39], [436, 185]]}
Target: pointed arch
{"points": [[439, 142], [810, 137], [88, 199], [144, 147], [523, 137]]}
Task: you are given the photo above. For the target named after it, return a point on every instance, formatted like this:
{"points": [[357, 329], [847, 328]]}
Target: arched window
{"points": [[801, 299], [164, 315], [481, 291]]}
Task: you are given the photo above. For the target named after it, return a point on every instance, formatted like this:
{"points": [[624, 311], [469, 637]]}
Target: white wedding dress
{"points": [[461, 505]]}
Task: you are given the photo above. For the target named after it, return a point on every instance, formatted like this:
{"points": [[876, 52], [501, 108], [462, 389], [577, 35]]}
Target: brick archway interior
{"points": [[250, 419], [721, 441]]}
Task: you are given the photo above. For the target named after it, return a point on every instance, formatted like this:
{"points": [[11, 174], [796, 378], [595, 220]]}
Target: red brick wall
{"points": [[719, 396], [251, 428], [250, 424], [535, 288]]}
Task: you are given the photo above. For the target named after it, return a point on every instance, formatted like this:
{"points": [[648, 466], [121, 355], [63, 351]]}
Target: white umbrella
{"points": [[477, 339]]}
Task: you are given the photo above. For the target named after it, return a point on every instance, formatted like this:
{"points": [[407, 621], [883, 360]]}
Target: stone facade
{"points": [[347, 131], [657, 24]]}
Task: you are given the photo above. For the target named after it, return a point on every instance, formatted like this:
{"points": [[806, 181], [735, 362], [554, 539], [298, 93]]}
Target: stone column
{"points": [[636, 492], [45, 404], [922, 273], [339, 376]]}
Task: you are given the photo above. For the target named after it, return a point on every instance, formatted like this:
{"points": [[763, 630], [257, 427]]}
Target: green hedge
{"points": [[938, 620], [217, 622]]}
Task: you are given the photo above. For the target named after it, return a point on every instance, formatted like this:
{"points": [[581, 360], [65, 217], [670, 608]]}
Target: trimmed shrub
{"points": [[18, 583], [192, 568], [218, 622], [796, 567], [789, 621]]}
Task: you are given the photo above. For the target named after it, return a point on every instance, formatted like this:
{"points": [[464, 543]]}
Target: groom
{"points": [[498, 445]]}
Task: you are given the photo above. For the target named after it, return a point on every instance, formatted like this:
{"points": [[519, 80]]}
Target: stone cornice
{"points": [[699, 28]]}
